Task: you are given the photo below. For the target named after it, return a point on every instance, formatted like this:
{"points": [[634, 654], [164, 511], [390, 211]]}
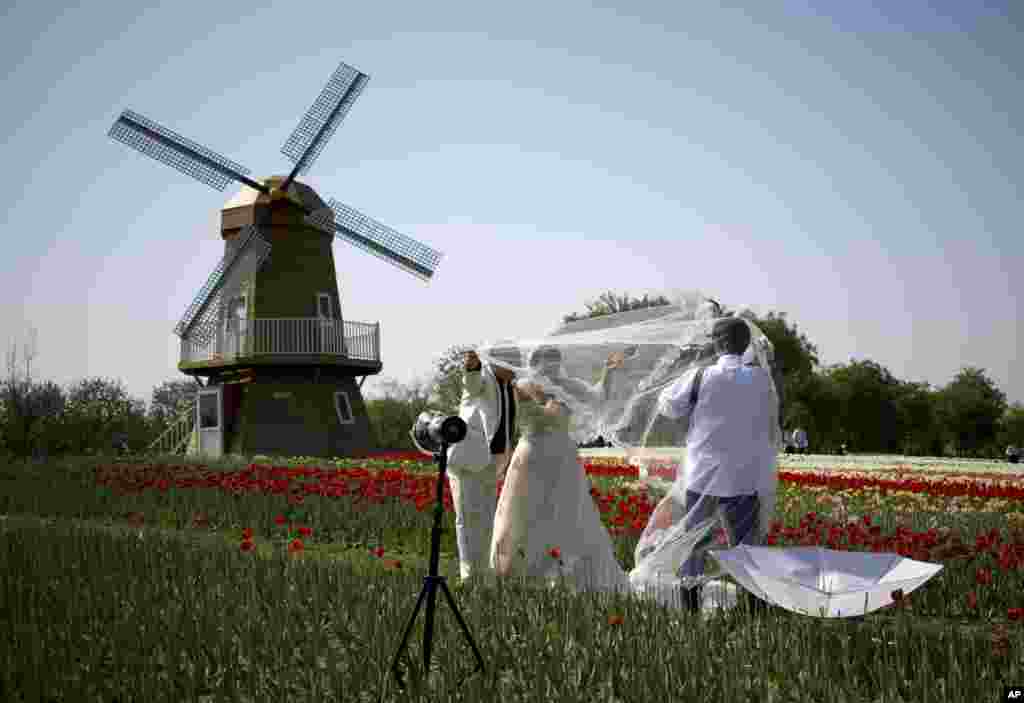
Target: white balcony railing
{"points": [[286, 335]]}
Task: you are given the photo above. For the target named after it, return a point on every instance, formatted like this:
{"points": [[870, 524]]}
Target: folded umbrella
{"points": [[823, 582]]}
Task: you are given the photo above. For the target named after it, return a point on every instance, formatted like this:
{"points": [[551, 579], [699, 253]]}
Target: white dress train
{"points": [[545, 504]]}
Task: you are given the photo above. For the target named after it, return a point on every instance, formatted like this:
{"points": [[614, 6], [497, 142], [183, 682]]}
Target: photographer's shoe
{"points": [[755, 605], [692, 599]]}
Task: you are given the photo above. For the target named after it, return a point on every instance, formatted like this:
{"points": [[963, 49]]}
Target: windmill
{"points": [[266, 330]]}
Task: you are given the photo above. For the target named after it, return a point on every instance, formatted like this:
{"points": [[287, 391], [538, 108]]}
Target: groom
{"points": [[475, 464]]}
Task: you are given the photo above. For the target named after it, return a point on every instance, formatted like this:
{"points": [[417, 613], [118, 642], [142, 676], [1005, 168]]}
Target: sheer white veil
{"points": [[650, 349]]}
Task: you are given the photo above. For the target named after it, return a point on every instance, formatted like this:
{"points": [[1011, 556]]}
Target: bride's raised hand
{"points": [[531, 391], [552, 407]]}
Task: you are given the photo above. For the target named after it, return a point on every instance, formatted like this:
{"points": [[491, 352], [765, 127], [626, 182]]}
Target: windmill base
{"points": [[283, 415]]}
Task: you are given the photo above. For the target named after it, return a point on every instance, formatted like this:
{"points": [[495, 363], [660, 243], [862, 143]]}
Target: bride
{"points": [[546, 524]]}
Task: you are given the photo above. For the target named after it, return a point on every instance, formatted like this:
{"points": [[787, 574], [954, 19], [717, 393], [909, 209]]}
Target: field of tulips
{"points": [[291, 580]]}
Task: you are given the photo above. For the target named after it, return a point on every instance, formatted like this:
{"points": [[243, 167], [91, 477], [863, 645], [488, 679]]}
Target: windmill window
{"points": [[343, 407], [323, 306], [209, 411], [235, 317]]}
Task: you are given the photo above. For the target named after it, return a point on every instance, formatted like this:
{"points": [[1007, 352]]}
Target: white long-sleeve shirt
{"points": [[729, 448]]}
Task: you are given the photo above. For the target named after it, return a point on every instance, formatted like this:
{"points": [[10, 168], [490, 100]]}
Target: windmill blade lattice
{"points": [[246, 263], [378, 239], [200, 319], [320, 123], [181, 153]]}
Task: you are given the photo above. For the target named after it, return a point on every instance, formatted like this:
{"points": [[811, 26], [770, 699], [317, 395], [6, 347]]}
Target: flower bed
{"points": [[625, 509], [325, 558]]}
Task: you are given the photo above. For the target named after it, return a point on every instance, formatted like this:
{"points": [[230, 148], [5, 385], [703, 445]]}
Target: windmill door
{"points": [[329, 335], [235, 328], [210, 422]]}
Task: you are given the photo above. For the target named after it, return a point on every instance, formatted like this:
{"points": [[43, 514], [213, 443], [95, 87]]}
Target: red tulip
{"points": [[280, 519], [296, 545], [972, 600], [555, 553], [247, 546], [1015, 613], [983, 577], [247, 533], [305, 531]]}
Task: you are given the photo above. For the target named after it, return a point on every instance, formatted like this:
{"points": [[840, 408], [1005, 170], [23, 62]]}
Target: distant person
{"points": [[1013, 454], [800, 440], [120, 444], [787, 437]]}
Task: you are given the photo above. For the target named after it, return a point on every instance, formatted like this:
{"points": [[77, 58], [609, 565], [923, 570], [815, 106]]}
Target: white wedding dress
{"points": [[546, 505]]}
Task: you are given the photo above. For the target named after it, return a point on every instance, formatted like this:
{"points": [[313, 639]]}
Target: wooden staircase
{"points": [[174, 440]]}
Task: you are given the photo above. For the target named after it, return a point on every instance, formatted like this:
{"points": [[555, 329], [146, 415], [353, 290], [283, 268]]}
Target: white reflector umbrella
{"points": [[823, 582]]}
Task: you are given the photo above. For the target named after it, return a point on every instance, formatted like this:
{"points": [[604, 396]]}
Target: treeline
{"points": [[89, 416], [859, 404]]}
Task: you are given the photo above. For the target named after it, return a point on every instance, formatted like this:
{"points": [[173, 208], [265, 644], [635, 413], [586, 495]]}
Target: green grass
{"points": [[92, 609]]}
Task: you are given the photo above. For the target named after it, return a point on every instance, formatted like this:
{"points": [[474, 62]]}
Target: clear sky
{"points": [[858, 165]]}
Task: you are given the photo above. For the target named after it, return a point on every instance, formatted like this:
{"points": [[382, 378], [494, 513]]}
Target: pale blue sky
{"points": [[860, 168]]}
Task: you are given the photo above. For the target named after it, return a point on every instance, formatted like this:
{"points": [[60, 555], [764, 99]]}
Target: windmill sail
{"points": [[378, 239], [321, 121], [169, 147], [200, 319]]}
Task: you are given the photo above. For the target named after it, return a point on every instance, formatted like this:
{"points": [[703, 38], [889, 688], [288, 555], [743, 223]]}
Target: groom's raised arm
{"points": [[473, 384], [674, 401], [472, 377]]}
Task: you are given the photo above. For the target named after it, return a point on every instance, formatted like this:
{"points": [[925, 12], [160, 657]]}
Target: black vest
{"points": [[506, 418]]}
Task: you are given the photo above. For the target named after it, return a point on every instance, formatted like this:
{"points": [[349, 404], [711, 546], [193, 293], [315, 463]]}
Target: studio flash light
{"points": [[434, 430], [432, 434]]}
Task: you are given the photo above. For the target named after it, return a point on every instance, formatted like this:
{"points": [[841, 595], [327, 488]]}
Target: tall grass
{"points": [[91, 613], [92, 609]]}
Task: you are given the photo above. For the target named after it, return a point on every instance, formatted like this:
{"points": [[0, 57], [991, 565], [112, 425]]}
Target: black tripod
{"points": [[431, 583]]}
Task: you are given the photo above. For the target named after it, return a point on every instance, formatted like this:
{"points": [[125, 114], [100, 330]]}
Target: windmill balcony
{"points": [[285, 339]]}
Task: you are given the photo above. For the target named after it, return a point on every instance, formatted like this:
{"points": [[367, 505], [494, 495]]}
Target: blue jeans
{"points": [[742, 515]]}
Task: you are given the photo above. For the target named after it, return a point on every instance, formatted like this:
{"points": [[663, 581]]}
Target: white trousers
{"points": [[475, 495]]}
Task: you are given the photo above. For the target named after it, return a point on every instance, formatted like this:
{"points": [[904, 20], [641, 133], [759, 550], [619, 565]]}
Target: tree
{"points": [[171, 398], [794, 352], [393, 415], [445, 386], [98, 409], [972, 408], [918, 409], [867, 392], [609, 303], [813, 403], [1011, 426], [29, 409]]}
